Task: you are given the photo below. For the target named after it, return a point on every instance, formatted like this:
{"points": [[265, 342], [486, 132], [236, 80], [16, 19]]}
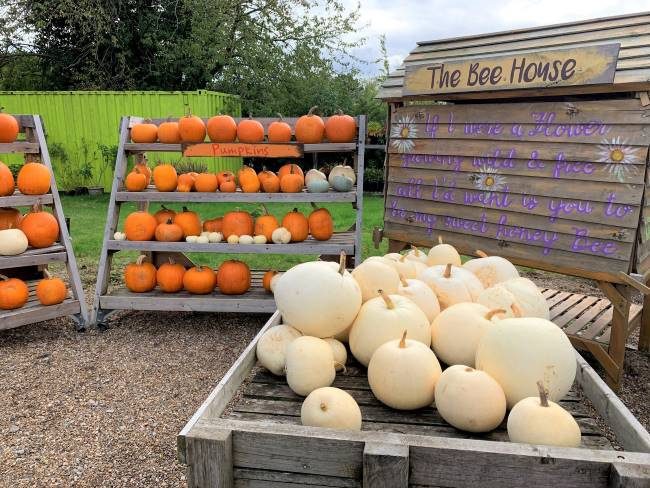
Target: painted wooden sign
{"points": [[563, 67], [557, 186], [237, 149]]}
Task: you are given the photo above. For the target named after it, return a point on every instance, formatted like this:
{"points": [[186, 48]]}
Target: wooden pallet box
{"points": [[248, 434]]}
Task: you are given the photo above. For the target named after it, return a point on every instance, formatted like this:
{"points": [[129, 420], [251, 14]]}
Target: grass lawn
{"points": [[88, 218]]}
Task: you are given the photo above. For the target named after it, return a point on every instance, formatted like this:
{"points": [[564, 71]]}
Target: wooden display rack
{"points": [[257, 300], [30, 265]]}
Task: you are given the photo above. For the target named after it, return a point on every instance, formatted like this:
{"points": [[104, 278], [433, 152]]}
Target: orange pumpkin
{"points": [[269, 181], [185, 183], [140, 277], [51, 290], [8, 128], [250, 131], [170, 276], [310, 128], [237, 223], [222, 128], [10, 218], [7, 182], [135, 180], [228, 185], [206, 182], [224, 176], [168, 133], [266, 279], [141, 164], [165, 177], [140, 226], [265, 224], [297, 224], [164, 214], [248, 180], [340, 128], [169, 232], [199, 280], [34, 179], [292, 183], [188, 221], [234, 277], [290, 168], [13, 293], [191, 129], [279, 131], [41, 228], [321, 225], [145, 132], [213, 225]]}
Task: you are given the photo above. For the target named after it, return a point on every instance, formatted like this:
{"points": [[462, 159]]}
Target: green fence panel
{"points": [[82, 126]]}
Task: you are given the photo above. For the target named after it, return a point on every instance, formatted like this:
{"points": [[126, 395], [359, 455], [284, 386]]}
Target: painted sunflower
{"points": [[402, 133], [619, 157], [489, 179]]}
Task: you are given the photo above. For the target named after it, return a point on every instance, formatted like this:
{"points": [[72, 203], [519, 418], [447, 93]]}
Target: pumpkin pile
{"points": [[472, 339], [14, 292], [33, 179], [37, 229]]}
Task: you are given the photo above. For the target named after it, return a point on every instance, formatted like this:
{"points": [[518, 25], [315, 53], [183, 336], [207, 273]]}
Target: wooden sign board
{"points": [[237, 149], [564, 67], [553, 185]]}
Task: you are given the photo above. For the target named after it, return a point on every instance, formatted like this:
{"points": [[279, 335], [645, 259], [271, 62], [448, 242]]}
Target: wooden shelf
{"points": [[33, 257], [20, 147], [151, 195], [20, 200], [341, 241], [132, 147]]}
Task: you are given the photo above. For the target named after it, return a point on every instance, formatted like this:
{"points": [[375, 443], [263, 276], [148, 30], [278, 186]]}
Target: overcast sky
{"points": [[407, 21]]}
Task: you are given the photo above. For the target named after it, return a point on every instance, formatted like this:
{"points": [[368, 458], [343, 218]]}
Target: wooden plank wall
{"points": [[555, 185]]}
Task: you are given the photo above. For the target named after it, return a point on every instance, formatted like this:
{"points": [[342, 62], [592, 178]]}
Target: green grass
{"points": [[88, 218]]}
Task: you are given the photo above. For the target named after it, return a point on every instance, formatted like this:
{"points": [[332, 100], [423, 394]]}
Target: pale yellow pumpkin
{"points": [[404, 267], [491, 270], [442, 254], [452, 284], [332, 408], [421, 294], [309, 365], [520, 292], [375, 274], [340, 353], [12, 242], [272, 347]]}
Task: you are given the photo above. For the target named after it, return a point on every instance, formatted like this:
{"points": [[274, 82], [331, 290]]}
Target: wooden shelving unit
{"points": [[31, 264], [109, 299]]}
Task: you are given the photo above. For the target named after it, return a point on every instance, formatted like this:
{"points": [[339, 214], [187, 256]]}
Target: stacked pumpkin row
{"points": [[309, 129], [14, 292], [401, 315], [237, 226], [33, 179], [37, 228]]}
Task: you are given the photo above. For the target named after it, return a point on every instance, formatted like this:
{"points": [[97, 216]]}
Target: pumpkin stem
{"points": [[314, 206], [337, 364], [405, 283], [339, 112], [141, 259], [402, 258], [47, 274], [492, 313], [280, 116], [342, 261], [312, 110], [3, 277], [323, 407], [481, 254], [185, 209], [516, 310], [415, 250], [169, 221], [447, 273], [389, 303], [136, 169], [439, 239], [543, 394], [171, 259], [402, 342]]}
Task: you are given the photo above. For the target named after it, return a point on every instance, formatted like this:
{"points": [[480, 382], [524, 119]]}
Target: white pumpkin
{"points": [[281, 236], [205, 233], [491, 270], [272, 347], [384, 319], [344, 336], [232, 239], [309, 364], [535, 420], [404, 267], [215, 237], [470, 399], [420, 293], [373, 275], [457, 331], [344, 170], [419, 267], [339, 352], [274, 281], [202, 239], [443, 254], [246, 239], [191, 239], [119, 236], [520, 351], [521, 292], [416, 255], [332, 408], [403, 374], [12, 242], [261, 239], [452, 284], [314, 174], [318, 298]]}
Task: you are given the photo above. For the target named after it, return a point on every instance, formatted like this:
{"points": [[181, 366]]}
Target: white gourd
{"points": [[420, 293], [452, 284], [205, 233], [521, 292], [403, 374], [215, 237], [491, 270], [384, 319], [261, 239], [246, 239], [416, 255], [339, 352], [344, 170], [272, 347], [281, 236], [202, 239], [12, 242], [404, 267], [332, 408], [309, 365], [443, 254], [314, 174], [470, 399], [232, 239], [518, 352], [191, 239], [119, 236], [373, 275], [420, 267]]}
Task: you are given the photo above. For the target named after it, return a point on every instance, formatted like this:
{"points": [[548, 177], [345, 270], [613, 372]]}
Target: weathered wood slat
{"points": [[258, 478], [598, 325], [31, 314], [385, 465], [19, 147], [25, 259], [561, 319], [131, 147], [20, 200], [586, 317], [151, 195]]}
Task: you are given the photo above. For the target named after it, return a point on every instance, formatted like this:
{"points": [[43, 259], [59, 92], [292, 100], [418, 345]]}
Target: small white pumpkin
{"points": [[536, 420], [344, 336], [119, 236], [309, 364], [421, 294], [191, 239], [202, 240], [246, 239], [416, 255], [339, 352], [215, 237], [516, 294], [469, 399], [374, 274], [518, 352], [383, 319], [261, 239], [452, 284], [342, 183], [205, 233], [281, 236], [404, 267], [12, 242], [491, 270], [332, 408], [318, 186], [272, 347], [232, 239], [345, 170], [443, 254], [419, 267], [403, 374], [314, 175]]}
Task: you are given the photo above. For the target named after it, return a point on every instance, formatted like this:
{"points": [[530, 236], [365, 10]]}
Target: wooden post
{"points": [[619, 296], [359, 166], [211, 460], [629, 476], [385, 465], [644, 332]]}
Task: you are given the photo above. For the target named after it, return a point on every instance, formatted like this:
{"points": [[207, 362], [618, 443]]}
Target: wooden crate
{"points": [[248, 434]]}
